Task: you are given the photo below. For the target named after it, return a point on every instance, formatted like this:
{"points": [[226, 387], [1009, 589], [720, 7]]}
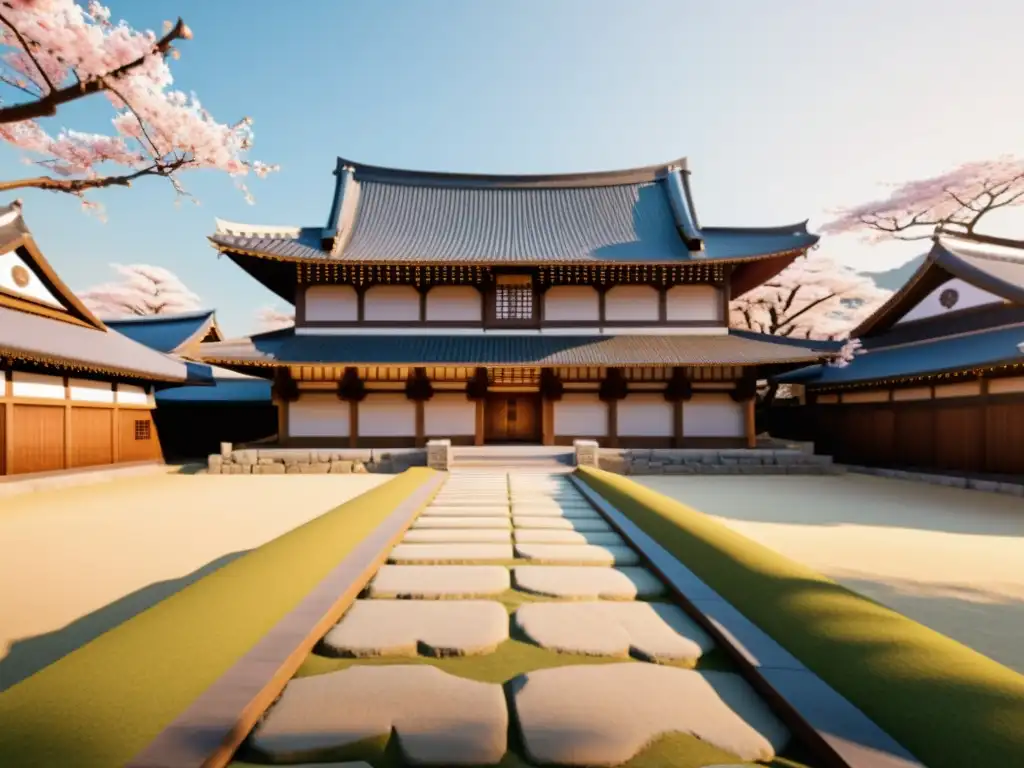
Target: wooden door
{"points": [[513, 418]]}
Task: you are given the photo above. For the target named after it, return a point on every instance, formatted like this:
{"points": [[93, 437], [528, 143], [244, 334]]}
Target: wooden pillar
{"points": [[421, 439], [983, 404], [68, 437], [751, 429], [478, 434], [8, 405], [677, 424], [115, 430], [547, 421], [353, 424], [613, 423]]}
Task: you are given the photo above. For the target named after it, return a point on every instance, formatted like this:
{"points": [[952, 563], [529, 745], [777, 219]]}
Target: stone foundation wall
{"points": [[322, 461], [950, 481], [738, 461]]}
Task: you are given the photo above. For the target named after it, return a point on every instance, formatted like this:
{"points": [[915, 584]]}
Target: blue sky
{"points": [[785, 110]]}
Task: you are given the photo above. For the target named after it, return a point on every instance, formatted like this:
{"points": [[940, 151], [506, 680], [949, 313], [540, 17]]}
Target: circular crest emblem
{"points": [[948, 298], [20, 275]]}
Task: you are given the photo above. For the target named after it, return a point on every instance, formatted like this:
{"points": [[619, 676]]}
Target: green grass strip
{"points": [[102, 704], [949, 705]]}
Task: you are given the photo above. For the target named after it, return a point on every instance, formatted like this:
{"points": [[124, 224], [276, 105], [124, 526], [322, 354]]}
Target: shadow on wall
{"points": [[27, 656], [860, 500]]}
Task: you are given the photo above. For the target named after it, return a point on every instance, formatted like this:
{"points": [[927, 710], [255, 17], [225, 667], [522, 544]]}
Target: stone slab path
{"points": [[567, 583]]}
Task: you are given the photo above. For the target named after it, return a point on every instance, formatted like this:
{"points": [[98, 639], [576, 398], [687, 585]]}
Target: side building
{"points": [[73, 393], [494, 309], [940, 382], [194, 420]]}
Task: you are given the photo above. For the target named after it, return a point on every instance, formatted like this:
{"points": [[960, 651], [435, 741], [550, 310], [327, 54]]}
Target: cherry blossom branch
{"points": [[46, 106], [78, 186], [27, 47]]}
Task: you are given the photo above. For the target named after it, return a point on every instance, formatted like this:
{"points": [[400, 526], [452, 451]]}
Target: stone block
{"points": [[244, 457], [269, 469], [341, 467], [680, 469], [358, 468], [293, 469], [267, 462], [1013, 489], [316, 468], [214, 463], [225, 450], [983, 485], [237, 469], [285, 455]]}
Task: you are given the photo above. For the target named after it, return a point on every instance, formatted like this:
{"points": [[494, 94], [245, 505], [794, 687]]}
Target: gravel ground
{"points": [[79, 561], [951, 559]]}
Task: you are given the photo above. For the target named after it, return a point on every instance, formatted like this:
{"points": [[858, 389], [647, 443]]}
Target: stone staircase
{"points": [[516, 458]]}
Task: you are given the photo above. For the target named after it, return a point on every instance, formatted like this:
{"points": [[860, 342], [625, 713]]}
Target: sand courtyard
{"points": [[948, 558]]}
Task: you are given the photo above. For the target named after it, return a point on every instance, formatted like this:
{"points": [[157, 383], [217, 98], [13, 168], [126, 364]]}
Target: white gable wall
{"points": [[332, 303], [968, 296], [12, 266]]}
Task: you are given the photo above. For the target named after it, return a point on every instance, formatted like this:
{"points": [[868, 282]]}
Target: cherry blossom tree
{"points": [[955, 201], [272, 319], [142, 290], [55, 52]]}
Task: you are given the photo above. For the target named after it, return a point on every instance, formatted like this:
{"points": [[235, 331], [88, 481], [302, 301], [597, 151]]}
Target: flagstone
{"points": [[412, 627], [533, 510], [437, 581], [443, 521], [437, 718], [589, 583], [590, 554], [450, 553], [557, 522], [605, 714], [469, 510], [460, 535], [651, 631], [555, 536]]}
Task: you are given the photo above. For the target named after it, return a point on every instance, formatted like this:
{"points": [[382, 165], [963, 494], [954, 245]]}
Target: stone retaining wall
{"points": [[739, 461], [335, 461], [951, 481]]}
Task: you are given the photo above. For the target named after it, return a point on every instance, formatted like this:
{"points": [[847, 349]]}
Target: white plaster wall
{"points": [[386, 415], [90, 391], [645, 416], [960, 389], [713, 415], [332, 303], [3, 383], [828, 399], [913, 393], [631, 303], [969, 296], [128, 394], [391, 302], [34, 289], [583, 415], [1006, 386], [461, 303], [693, 302], [449, 415], [871, 396], [37, 385], [572, 302], [318, 414]]}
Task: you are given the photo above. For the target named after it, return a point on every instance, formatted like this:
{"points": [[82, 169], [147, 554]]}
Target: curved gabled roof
{"points": [[169, 333], [392, 216], [992, 264]]}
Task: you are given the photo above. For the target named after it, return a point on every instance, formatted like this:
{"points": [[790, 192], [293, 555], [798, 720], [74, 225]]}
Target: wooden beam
{"points": [[547, 422], [115, 429], [677, 424], [8, 406], [282, 420], [749, 422], [420, 419], [478, 434], [67, 424], [983, 405], [613, 423], [353, 424]]}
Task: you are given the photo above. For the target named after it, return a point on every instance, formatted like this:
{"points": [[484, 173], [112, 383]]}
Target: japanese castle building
{"points": [[490, 309]]}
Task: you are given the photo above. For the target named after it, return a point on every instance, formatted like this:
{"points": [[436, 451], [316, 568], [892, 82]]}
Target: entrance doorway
{"points": [[512, 418]]}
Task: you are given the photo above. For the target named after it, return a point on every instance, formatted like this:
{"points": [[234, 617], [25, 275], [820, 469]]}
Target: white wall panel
{"points": [[37, 385], [449, 415], [869, 396], [956, 294], [643, 415], [712, 415], [386, 415], [581, 415], [17, 278], [1006, 386], [455, 303], [912, 393], [392, 302], [693, 302], [129, 394], [631, 303], [332, 303], [318, 414], [571, 302], [960, 389], [90, 391]]}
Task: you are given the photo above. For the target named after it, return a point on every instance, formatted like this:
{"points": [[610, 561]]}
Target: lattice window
{"points": [[513, 298], [143, 429], [511, 376]]}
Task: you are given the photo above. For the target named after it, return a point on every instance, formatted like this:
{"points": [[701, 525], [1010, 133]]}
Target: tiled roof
{"points": [[251, 390], [164, 333], [33, 337], [973, 350], [284, 347]]}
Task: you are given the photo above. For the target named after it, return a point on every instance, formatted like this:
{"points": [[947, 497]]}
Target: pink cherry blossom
{"points": [[143, 290], [48, 45], [272, 319]]}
